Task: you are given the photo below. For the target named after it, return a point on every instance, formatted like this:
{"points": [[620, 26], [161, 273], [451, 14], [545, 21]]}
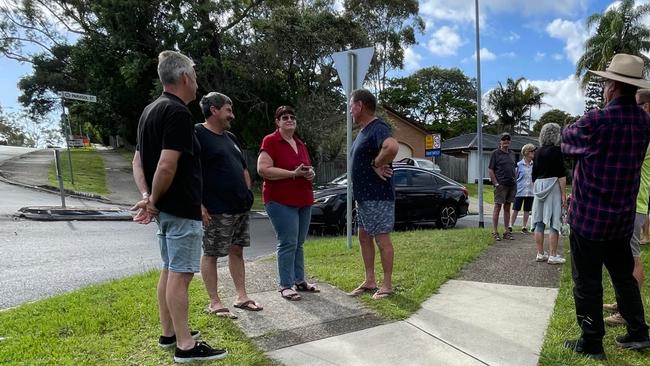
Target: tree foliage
{"points": [[512, 104], [442, 99], [594, 95], [618, 30], [562, 118]]}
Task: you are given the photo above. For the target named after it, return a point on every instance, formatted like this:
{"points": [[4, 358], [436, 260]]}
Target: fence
{"points": [[454, 168]]}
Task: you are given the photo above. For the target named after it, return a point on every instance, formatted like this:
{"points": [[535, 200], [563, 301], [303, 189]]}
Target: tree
{"points": [[512, 104], [618, 30], [442, 99], [594, 96], [391, 26], [562, 118]]}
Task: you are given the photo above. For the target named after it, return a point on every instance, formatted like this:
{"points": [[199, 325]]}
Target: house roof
{"points": [[405, 119], [490, 142]]}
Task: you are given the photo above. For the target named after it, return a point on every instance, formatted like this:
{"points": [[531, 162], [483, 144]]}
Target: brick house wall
{"points": [[407, 133]]}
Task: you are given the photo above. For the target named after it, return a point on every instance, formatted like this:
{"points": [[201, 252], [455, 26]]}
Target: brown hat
{"points": [[625, 68]]}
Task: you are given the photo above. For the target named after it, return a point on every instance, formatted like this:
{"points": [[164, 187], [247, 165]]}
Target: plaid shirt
{"points": [[609, 146]]}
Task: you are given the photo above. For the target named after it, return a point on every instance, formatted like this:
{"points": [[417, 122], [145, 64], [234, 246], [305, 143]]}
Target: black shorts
{"points": [[527, 201]]}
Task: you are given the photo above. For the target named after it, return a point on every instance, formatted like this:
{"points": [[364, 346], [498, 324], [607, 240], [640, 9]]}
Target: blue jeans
{"points": [[180, 243], [291, 225]]}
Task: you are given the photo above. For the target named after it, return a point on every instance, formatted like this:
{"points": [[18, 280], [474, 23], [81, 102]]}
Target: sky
{"points": [[540, 40]]}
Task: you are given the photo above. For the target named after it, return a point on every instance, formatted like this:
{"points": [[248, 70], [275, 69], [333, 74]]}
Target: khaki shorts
{"points": [[635, 241], [504, 194], [225, 230]]}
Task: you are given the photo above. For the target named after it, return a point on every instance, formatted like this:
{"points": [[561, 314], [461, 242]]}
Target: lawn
{"points": [[88, 171], [488, 192], [563, 325], [114, 323], [424, 260]]}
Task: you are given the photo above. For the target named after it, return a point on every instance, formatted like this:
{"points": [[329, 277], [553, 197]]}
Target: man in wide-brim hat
{"points": [[609, 146]]}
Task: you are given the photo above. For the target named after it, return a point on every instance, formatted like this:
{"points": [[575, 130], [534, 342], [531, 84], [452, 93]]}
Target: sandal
{"points": [[223, 312], [381, 295], [508, 236], [249, 305], [292, 296], [496, 236], [306, 287], [361, 290]]}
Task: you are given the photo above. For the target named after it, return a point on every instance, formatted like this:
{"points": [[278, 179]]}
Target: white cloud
{"points": [[508, 54], [512, 37], [411, 59], [565, 95], [573, 34], [539, 56], [445, 42], [454, 11], [557, 56], [564, 7], [486, 55], [338, 5]]}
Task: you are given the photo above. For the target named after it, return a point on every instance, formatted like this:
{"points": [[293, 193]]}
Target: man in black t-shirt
{"points": [[167, 171], [227, 200], [502, 174]]}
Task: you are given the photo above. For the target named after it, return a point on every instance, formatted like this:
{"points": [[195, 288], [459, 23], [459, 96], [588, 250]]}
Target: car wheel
{"points": [[343, 222], [448, 217]]}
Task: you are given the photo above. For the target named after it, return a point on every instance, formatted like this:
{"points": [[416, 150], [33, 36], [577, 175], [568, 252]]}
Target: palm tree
{"points": [[512, 104], [618, 30]]}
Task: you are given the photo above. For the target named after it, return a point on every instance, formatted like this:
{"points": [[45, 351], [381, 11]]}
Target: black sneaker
{"points": [[168, 342], [636, 343], [201, 352], [596, 353]]}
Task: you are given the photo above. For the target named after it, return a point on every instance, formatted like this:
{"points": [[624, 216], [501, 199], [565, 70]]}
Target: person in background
{"points": [[285, 165], [502, 174], [549, 179], [524, 194]]}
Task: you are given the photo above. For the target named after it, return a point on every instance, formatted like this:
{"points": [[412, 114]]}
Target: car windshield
{"points": [[426, 164], [340, 180]]}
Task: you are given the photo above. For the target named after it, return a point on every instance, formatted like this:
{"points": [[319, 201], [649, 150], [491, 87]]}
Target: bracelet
{"points": [[145, 195]]}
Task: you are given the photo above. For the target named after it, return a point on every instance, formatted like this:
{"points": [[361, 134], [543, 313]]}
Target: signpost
{"points": [[351, 66], [66, 121], [432, 145]]}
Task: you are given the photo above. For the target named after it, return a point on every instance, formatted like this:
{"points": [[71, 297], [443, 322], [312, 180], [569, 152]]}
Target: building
{"points": [[466, 147], [408, 134]]}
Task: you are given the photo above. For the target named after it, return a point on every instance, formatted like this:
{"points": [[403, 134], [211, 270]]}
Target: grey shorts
{"points": [[635, 241], [225, 230], [180, 243], [504, 194], [376, 217]]}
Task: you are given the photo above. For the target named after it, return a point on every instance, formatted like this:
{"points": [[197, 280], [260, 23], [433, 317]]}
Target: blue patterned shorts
{"points": [[376, 217]]}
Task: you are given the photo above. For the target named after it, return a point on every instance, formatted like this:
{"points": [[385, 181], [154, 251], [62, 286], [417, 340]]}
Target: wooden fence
{"points": [[454, 168]]}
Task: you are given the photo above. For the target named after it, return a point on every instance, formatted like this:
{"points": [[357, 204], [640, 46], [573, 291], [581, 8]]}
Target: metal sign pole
{"points": [[479, 126], [59, 176], [68, 132], [352, 63]]}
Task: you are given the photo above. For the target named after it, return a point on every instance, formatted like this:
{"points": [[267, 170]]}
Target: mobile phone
{"points": [[305, 168]]}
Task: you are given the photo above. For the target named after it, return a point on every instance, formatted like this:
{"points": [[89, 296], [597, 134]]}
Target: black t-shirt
{"points": [[224, 186], [166, 124], [504, 167], [549, 163]]}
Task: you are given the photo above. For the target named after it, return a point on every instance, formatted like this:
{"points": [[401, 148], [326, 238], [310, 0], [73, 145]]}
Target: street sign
{"points": [[436, 140], [428, 142], [431, 152], [362, 57], [77, 96]]}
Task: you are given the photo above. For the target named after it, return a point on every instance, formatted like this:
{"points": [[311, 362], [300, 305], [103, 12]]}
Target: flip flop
{"points": [[306, 287], [249, 305], [381, 295], [223, 312], [361, 290], [291, 297]]}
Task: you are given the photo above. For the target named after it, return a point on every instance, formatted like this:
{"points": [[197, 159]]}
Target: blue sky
{"points": [[539, 40]]}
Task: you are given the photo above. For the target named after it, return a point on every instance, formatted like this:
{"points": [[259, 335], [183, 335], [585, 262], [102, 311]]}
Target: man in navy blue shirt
{"points": [[227, 200], [372, 152]]}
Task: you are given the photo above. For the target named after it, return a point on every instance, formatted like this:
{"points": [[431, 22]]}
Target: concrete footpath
{"points": [[495, 312]]}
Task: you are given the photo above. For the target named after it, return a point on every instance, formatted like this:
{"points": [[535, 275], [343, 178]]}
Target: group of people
{"points": [[195, 185], [608, 208]]}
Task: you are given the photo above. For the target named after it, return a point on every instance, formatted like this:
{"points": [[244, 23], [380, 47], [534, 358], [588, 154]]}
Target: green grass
{"points": [[88, 171], [125, 153], [114, 323], [563, 325], [424, 260], [258, 204], [488, 192]]}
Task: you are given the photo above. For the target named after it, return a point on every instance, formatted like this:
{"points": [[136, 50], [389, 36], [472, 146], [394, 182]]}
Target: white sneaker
{"points": [[556, 259], [541, 257]]}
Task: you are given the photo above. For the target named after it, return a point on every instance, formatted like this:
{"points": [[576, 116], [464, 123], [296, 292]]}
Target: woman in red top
{"points": [[286, 168]]}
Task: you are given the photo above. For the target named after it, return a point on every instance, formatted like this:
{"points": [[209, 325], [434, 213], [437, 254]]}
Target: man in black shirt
{"points": [[502, 174], [167, 171], [227, 200]]}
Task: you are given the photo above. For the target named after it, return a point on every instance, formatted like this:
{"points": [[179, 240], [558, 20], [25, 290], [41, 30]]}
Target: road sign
{"points": [[77, 96], [431, 152], [436, 140], [428, 142], [362, 58]]}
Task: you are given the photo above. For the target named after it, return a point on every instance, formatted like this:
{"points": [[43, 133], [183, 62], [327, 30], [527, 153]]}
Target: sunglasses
{"points": [[287, 117]]}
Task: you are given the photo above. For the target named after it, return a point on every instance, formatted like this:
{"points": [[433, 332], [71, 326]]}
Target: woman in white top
{"points": [[524, 186]]}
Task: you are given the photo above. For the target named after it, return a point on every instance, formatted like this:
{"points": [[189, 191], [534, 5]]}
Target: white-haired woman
{"points": [[524, 196], [549, 184]]}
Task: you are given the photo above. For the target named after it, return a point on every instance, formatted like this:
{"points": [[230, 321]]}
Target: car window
{"points": [[426, 164], [400, 178], [422, 179]]}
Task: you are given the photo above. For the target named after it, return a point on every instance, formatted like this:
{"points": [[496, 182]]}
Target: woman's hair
{"points": [[550, 134], [526, 148], [282, 110]]}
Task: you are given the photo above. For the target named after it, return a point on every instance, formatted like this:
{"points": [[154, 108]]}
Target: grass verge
{"points": [[488, 192], [424, 260], [88, 171], [563, 325], [114, 323]]}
